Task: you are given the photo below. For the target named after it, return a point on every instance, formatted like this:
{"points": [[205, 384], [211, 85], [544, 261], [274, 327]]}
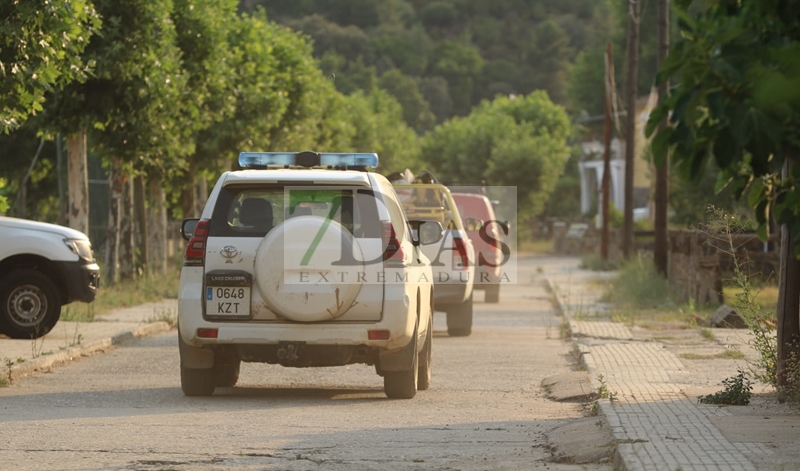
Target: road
{"points": [[124, 410]]}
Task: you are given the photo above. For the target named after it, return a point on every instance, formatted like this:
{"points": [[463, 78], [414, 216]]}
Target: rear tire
{"points": [[30, 304], [197, 382], [459, 319], [425, 361], [403, 384], [492, 294], [226, 371]]}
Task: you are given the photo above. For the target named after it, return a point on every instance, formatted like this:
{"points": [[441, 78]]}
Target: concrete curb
{"points": [[602, 404], [69, 354]]}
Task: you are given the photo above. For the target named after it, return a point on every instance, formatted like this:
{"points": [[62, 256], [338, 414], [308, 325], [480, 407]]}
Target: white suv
{"points": [[42, 267], [305, 260]]}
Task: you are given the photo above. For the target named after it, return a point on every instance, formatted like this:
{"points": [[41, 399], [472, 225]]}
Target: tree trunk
{"points": [[127, 254], [141, 237], [62, 201], [202, 195], [660, 256], [630, 128], [788, 321], [78, 182], [158, 227], [606, 188], [116, 185]]}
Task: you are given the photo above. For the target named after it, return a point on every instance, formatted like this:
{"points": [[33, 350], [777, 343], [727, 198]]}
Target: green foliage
{"points": [[403, 88], [481, 48], [737, 392], [734, 103], [41, 46], [639, 285], [760, 323], [518, 142]]}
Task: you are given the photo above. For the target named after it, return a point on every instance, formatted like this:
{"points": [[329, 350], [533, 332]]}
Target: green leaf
{"points": [[756, 193], [724, 179], [660, 145], [658, 115]]}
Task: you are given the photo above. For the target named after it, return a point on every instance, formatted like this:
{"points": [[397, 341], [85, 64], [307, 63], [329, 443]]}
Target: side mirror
{"points": [[187, 228], [426, 232]]}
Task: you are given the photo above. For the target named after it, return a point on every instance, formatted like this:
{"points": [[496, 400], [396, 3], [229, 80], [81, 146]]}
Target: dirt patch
{"points": [[582, 441]]}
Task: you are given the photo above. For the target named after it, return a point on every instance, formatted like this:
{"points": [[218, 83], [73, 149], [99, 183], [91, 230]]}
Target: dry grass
{"points": [[535, 246], [147, 288], [766, 296]]}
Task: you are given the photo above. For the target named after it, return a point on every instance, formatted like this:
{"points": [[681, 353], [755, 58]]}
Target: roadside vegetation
{"points": [[148, 287]]}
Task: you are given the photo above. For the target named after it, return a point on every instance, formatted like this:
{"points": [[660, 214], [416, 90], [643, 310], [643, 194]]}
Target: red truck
{"points": [[485, 232]]}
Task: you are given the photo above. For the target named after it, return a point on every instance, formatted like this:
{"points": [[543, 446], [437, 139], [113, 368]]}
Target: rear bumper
{"points": [[398, 317]]}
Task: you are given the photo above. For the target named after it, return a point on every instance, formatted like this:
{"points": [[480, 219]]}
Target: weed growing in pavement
{"points": [[36, 343], [20, 360], [603, 391], [6, 379], [707, 334], [736, 393], [723, 227]]}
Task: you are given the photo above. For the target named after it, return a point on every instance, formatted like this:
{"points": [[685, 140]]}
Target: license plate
{"points": [[231, 301]]}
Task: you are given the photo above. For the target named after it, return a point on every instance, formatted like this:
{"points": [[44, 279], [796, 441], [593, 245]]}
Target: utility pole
{"points": [[662, 171], [630, 128], [607, 153]]}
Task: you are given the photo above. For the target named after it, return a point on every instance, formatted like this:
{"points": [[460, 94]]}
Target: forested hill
{"points": [[440, 58]]}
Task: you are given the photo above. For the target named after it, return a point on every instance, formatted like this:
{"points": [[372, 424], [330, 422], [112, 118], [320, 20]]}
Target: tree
{"points": [[736, 66], [134, 101], [518, 142], [416, 111], [40, 50]]}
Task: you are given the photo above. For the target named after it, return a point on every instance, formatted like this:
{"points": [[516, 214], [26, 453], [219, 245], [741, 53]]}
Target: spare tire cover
{"points": [[309, 290]]}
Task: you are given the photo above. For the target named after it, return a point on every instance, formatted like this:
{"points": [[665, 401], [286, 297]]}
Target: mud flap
{"points": [[401, 359], [193, 357]]}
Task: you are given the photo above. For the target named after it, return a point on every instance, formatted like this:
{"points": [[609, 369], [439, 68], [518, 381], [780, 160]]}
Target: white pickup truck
{"points": [[42, 267]]}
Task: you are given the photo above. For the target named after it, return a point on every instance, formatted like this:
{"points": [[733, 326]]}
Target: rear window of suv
{"points": [[243, 211]]}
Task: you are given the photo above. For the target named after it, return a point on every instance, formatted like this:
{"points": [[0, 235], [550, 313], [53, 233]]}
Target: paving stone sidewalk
{"points": [[71, 340], [657, 427]]}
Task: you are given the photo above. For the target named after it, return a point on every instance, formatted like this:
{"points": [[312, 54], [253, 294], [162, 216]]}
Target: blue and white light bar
{"points": [[307, 159]]}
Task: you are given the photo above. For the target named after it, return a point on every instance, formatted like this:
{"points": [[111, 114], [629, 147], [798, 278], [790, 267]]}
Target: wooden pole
{"points": [[607, 154], [630, 129], [660, 255]]}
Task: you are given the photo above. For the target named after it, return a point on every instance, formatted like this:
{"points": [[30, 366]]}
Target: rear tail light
{"points": [[378, 334], [196, 248], [393, 250], [460, 258], [207, 333]]}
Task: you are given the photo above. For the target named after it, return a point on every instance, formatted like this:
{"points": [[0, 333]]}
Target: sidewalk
{"points": [[653, 414], [70, 340]]}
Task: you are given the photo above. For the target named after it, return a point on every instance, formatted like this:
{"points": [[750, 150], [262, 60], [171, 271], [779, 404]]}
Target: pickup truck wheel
{"points": [[226, 372], [459, 319], [426, 361], [492, 294], [197, 382], [30, 304], [402, 384]]}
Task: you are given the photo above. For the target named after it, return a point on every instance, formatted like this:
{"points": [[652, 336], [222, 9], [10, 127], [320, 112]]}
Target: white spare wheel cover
{"points": [[307, 297]]}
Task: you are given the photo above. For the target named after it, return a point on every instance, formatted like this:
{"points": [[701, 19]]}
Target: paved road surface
{"points": [[124, 409]]}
